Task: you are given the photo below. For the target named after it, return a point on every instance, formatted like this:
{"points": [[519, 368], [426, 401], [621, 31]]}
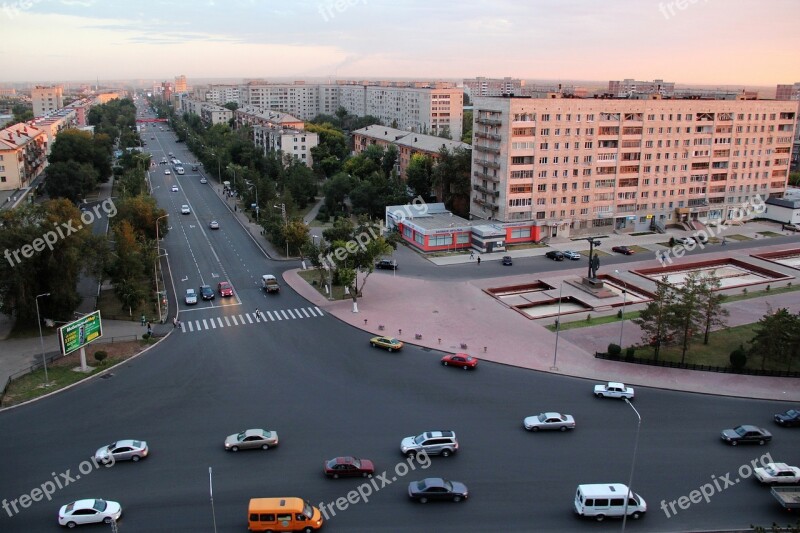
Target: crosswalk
{"points": [[246, 319]]}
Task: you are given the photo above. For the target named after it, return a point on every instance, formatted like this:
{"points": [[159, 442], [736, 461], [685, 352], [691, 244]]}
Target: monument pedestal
{"points": [[594, 286]]}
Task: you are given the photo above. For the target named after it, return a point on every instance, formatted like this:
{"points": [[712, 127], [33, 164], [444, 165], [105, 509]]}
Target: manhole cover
{"points": [[106, 376]]}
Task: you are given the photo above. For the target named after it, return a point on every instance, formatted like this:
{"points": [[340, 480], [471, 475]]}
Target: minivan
{"points": [[282, 514], [607, 499]]}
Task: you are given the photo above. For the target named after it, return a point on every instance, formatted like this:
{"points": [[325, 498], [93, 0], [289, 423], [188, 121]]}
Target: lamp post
{"points": [[155, 270], [633, 464], [558, 326], [255, 186], [285, 225], [41, 339], [622, 318]]}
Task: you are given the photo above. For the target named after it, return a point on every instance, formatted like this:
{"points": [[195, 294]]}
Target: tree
{"points": [[81, 147], [70, 180], [336, 191], [776, 338], [301, 183], [686, 311], [22, 113], [710, 304], [389, 160], [419, 175], [451, 176], [466, 126], [657, 319], [296, 234], [233, 106]]}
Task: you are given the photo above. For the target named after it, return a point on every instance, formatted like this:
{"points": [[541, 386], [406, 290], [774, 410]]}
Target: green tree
{"points": [[22, 113], [336, 190], [777, 338], [466, 126], [451, 176], [687, 312], [81, 147], [301, 183], [657, 319], [70, 180], [419, 176], [712, 313], [233, 106], [389, 160]]}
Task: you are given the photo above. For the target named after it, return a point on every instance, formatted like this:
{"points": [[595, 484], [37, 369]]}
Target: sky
{"points": [[710, 42]]}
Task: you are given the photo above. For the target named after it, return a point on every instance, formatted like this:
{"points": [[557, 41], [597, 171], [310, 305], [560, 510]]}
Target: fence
{"points": [[55, 356], [701, 368]]}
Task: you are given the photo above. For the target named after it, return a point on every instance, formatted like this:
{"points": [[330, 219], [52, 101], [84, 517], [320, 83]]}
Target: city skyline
{"points": [[541, 39]]}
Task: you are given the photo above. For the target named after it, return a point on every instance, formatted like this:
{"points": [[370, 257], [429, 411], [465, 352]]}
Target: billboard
{"points": [[79, 333]]}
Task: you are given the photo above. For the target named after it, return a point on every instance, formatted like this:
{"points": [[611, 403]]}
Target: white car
{"points": [[203, 180], [191, 297], [174, 188], [549, 421], [167, 172], [777, 473], [185, 210], [122, 450], [89, 512], [213, 224], [613, 389]]}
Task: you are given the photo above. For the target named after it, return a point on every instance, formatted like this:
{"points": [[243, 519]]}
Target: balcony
{"points": [[485, 176], [487, 163], [484, 148], [487, 135], [486, 204], [488, 121], [484, 190]]}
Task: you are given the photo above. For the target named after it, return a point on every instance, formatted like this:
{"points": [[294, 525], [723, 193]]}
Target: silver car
{"points": [[191, 297], [251, 438], [442, 443], [122, 450], [549, 421], [569, 254]]}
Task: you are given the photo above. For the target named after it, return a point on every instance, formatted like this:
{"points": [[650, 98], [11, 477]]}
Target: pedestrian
{"points": [[258, 314], [175, 322], [723, 241], [149, 330], [143, 320], [471, 254], [479, 260]]}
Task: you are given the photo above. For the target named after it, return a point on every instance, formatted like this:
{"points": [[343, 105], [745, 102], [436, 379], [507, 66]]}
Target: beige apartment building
{"points": [[481, 86], [275, 131], [23, 155], [46, 99], [567, 166]]}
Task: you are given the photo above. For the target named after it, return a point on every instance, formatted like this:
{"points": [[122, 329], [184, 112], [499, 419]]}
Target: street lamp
{"points": [[155, 269], [285, 224], [622, 318], [558, 326], [633, 464], [41, 339], [255, 186]]}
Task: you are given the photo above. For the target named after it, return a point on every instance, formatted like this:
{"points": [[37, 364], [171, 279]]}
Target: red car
{"points": [[348, 467], [624, 250], [467, 362], [225, 288]]}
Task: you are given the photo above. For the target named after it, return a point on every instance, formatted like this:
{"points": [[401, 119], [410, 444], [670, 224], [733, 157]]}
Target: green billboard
{"points": [[80, 333]]}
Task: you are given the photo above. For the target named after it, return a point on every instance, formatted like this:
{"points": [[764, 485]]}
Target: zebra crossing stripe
{"points": [[304, 312], [205, 326], [246, 318], [249, 319], [278, 315], [284, 314], [233, 319], [290, 313], [262, 317], [197, 323], [318, 310], [270, 316], [310, 310], [227, 322], [220, 322]]}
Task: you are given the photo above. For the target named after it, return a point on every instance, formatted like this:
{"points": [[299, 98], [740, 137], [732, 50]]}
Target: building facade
{"points": [[567, 166], [788, 92], [222, 94], [46, 99], [274, 131], [23, 155], [481, 86], [628, 86], [180, 84]]}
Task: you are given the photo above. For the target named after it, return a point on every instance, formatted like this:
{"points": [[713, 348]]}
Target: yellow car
{"points": [[390, 343]]}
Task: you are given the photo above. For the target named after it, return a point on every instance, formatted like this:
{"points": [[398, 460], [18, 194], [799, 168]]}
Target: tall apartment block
{"points": [[180, 84], [46, 99], [629, 86], [788, 92], [481, 86], [23, 155], [220, 94], [567, 166]]}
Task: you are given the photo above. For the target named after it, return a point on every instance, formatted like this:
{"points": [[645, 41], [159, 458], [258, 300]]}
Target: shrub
{"points": [[630, 353], [738, 358], [614, 350], [619, 314], [100, 355], [589, 317], [768, 288], [146, 336], [744, 291]]}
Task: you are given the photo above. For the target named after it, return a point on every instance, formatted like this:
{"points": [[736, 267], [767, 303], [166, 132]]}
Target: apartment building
{"points": [[481, 86], [792, 92], [566, 166], [209, 113], [221, 94], [23, 155], [180, 84], [55, 123], [629, 86], [298, 98], [274, 131], [46, 99]]}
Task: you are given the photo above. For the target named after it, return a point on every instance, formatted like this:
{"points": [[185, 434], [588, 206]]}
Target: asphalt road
{"points": [[328, 393]]}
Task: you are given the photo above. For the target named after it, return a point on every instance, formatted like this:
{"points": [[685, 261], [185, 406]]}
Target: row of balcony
{"points": [[484, 190], [487, 135], [487, 163], [488, 121], [484, 148], [486, 203]]}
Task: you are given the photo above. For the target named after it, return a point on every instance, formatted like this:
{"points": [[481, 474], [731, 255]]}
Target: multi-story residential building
{"points": [[23, 155], [481, 86], [628, 86], [180, 84], [274, 131], [55, 123], [408, 143], [298, 98], [221, 94], [8, 92], [46, 99], [788, 92], [209, 113], [566, 166]]}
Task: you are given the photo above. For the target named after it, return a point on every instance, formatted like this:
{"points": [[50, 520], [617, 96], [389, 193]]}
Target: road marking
{"points": [[290, 313], [227, 322], [305, 313], [233, 319], [220, 322], [284, 314], [270, 316], [205, 326], [247, 319]]}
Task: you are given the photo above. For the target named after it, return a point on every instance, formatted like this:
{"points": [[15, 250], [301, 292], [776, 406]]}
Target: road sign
{"points": [[79, 333]]}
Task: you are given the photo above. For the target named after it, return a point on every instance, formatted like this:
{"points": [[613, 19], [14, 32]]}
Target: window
{"points": [[521, 233], [440, 240]]}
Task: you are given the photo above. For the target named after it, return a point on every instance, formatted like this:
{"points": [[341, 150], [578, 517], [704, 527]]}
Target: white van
{"points": [[607, 499]]}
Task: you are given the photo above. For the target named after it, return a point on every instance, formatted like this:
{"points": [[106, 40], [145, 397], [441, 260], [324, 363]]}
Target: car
{"points": [[686, 241], [788, 419], [152, 137], [746, 434], [213, 224], [390, 343], [225, 288], [170, 154], [179, 140], [203, 181], [569, 254], [348, 467], [167, 172], [175, 188], [773, 473], [194, 167], [206, 292], [185, 210], [624, 250], [122, 450], [386, 264], [191, 297], [436, 488], [467, 362], [442, 442], [555, 255], [251, 438], [507, 260], [549, 421], [613, 389], [91, 511]]}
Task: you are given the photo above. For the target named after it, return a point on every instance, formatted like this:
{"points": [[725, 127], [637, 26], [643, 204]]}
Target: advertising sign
{"points": [[79, 333]]}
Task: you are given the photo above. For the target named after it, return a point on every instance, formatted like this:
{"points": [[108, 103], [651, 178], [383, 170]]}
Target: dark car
{"points": [[436, 488], [194, 167], [207, 293], [790, 418], [746, 435], [555, 255], [624, 250], [388, 264], [507, 260], [348, 467]]}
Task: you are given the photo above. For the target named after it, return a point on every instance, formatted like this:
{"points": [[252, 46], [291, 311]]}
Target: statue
{"points": [[594, 264]]}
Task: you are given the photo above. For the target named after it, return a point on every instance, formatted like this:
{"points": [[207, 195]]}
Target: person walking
{"points": [[175, 322], [471, 255], [149, 329], [258, 314], [143, 320], [479, 260]]}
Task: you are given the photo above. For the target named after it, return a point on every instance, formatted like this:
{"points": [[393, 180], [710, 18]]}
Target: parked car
{"points": [[569, 254], [91, 511], [390, 343], [206, 292], [549, 421], [122, 450], [436, 488], [386, 264], [624, 250], [613, 389], [167, 172], [790, 418], [213, 224], [441, 442], [746, 434], [773, 473], [467, 362], [348, 467], [507, 260], [225, 288], [555, 255], [251, 438], [191, 297]]}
